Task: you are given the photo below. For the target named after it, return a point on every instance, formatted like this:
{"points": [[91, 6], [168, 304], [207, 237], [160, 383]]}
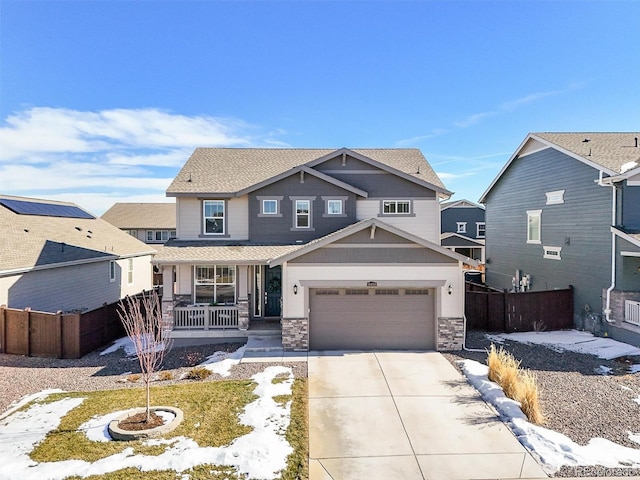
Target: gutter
{"points": [[609, 183]]}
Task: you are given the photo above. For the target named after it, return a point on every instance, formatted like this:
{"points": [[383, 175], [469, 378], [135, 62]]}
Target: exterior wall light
{"points": [[295, 289]]}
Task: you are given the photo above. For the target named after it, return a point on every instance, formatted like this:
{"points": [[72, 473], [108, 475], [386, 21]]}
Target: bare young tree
{"points": [[142, 320]]}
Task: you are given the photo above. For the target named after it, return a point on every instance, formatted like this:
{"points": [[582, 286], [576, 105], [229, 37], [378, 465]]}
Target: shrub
{"points": [[198, 373], [165, 375], [134, 377], [519, 385]]}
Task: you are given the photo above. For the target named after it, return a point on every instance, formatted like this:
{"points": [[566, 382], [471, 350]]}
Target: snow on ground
{"points": [[552, 448], [221, 362], [129, 348], [573, 340], [262, 453]]}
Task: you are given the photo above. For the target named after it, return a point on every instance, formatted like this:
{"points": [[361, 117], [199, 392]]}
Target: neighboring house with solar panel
{"points": [[152, 223], [56, 256], [340, 247], [565, 210]]}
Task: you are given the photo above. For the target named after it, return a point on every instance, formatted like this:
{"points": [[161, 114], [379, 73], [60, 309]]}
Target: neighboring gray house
{"points": [[463, 228], [565, 210], [56, 256], [340, 246], [152, 223]]}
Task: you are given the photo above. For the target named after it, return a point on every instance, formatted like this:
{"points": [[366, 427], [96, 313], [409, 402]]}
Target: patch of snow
{"points": [[637, 400], [628, 166], [125, 343], [634, 368], [29, 398], [221, 362], [97, 428], [552, 448], [262, 453], [602, 370], [574, 341], [634, 437]]}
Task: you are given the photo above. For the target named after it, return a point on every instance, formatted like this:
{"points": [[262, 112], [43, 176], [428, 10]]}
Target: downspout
{"points": [[607, 310]]}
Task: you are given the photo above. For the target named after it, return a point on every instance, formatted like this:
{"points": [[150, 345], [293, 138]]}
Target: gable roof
{"points": [[460, 204], [142, 215], [612, 153], [228, 171], [463, 241], [31, 242], [357, 227]]}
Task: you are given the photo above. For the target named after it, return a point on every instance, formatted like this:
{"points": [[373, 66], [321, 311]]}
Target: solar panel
{"points": [[25, 207]]}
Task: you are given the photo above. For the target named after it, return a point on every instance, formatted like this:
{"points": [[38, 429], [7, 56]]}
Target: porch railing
{"points": [[632, 312], [205, 317]]}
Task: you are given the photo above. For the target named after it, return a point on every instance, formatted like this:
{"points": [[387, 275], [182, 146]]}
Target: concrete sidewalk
{"points": [[404, 415]]}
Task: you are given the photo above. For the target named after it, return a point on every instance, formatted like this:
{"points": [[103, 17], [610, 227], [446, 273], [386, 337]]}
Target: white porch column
{"points": [[167, 294]]}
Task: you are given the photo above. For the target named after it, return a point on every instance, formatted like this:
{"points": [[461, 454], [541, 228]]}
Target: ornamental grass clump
{"points": [[517, 384]]}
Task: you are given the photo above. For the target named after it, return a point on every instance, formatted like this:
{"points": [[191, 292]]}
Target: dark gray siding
{"points": [[277, 229], [377, 183], [374, 255], [631, 207], [470, 215], [581, 226], [459, 242]]}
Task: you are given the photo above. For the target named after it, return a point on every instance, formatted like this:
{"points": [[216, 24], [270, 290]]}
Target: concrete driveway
{"points": [[404, 415]]}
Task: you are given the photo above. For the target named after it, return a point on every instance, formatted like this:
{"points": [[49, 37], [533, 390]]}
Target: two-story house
{"points": [[463, 228], [57, 256], [152, 223], [565, 210], [341, 246]]}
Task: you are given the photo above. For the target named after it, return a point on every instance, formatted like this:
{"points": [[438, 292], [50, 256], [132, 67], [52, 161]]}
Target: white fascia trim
{"points": [[624, 253], [339, 283], [18, 271], [625, 236]]}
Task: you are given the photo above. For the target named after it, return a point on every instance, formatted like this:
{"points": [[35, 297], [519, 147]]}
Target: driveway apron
{"points": [[404, 415]]}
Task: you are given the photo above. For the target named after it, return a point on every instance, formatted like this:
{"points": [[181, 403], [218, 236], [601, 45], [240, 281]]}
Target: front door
{"points": [[272, 291]]}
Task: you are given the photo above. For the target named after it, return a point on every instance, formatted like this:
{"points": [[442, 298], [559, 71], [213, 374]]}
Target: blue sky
{"points": [[103, 101]]}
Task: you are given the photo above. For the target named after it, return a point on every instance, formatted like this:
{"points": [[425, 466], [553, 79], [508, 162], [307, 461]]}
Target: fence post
{"points": [[59, 333], [3, 330]]}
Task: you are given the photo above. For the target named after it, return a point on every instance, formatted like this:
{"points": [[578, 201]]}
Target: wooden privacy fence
{"points": [[58, 335], [496, 311]]}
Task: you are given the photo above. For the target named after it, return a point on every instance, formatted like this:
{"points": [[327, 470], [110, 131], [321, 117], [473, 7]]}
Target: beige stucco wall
{"points": [[425, 223], [189, 214], [297, 306]]}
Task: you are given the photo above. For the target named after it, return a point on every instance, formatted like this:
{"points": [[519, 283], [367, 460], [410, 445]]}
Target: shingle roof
{"points": [[183, 251], [609, 150], [230, 170], [29, 241], [142, 215]]}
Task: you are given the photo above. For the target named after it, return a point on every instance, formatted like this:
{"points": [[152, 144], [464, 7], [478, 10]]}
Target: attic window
{"points": [[555, 198]]}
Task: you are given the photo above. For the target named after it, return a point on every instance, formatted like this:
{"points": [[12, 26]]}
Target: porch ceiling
{"points": [[175, 252]]}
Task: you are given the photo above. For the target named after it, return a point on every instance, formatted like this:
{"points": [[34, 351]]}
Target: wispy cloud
{"points": [[105, 155], [479, 117]]}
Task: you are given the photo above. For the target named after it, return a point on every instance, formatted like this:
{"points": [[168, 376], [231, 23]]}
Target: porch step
{"points": [[264, 343]]}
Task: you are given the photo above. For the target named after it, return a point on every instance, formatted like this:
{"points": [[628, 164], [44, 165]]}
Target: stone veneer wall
{"points": [[295, 334], [617, 304], [243, 313], [450, 333]]}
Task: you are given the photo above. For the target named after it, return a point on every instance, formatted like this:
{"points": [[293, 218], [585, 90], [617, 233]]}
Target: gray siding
{"points": [[277, 229], [374, 255], [377, 183], [380, 237], [581, 226], [470, 215], [459, 242], [68, 288], [631, 207]]}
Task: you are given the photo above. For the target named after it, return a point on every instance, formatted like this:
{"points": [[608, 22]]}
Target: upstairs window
{"points": [[556, 197], [394, 207], [303, 213], [480, 229], [112, 271], [533, 226], [269, 207], [334, 207], [462, 227], [130, 271], [160, 235], [213, 217]]}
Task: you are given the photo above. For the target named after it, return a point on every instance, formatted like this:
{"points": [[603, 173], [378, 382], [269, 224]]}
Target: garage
{"points": [[371, 318]]}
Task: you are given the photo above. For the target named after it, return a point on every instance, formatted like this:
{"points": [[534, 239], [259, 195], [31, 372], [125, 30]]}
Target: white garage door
{"points": [[371, 318]]}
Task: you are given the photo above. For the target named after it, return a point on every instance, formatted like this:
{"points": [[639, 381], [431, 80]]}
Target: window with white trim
{"points": [[394, 207], [334, 207], [215, 284], [213, 213], [112, 271], [552, 252], [533, 226], [480, 229], [269, 207], [130, 271], [160, 235], [554, 198], [461, 227], [133, 233], [303, 214]]}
